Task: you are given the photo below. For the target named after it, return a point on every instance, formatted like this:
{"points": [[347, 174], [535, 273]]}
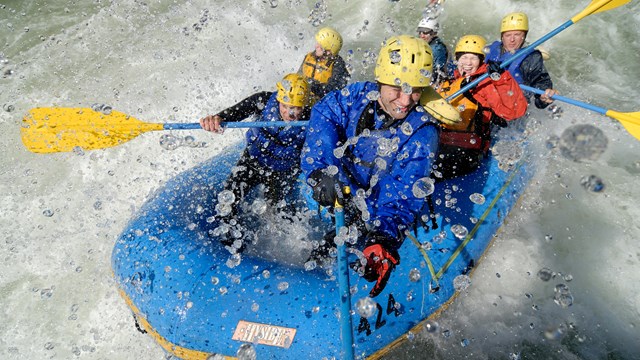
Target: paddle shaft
{"points": [[234, 125], [346, 328], [630, 121], [597, 109]]}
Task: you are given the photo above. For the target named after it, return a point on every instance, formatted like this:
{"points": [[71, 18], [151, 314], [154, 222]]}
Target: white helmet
{"points": [[429, 24]]}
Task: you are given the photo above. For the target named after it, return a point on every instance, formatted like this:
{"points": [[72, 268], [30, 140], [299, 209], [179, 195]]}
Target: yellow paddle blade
{"points": [[597, 6], [438, 107], [630, 121], [48, 130]]}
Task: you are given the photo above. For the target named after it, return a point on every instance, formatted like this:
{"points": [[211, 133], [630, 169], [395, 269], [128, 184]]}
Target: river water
{"points": [[174, 61]]}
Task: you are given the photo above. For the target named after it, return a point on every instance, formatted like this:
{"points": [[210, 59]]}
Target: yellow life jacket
{"points": [[318, 70]]}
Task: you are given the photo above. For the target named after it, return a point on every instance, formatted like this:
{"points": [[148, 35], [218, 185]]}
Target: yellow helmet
{"points": [[329, 39], [293, 90], [404, 59], [515, 21], [474, 44]]}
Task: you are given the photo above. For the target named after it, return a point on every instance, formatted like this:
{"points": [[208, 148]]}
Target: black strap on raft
{"points": [[138, 327], [432, 215]]}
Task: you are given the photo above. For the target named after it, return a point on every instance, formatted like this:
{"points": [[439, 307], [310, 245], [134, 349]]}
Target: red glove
{"points": [[380, 263]]}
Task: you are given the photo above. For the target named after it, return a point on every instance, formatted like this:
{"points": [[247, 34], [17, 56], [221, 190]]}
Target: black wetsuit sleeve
{"points": [[251, 106], [535, 75]]}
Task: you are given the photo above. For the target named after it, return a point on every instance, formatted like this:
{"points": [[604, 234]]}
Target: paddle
{"points": [[630, 121], [49, 130], [594, 7], [346, 329]]}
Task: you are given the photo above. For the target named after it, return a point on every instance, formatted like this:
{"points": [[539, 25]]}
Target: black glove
{"points": [[493, 67], [326, 188], [380, 261]]}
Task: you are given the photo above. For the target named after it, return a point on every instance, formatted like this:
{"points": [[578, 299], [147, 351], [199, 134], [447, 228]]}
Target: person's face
{"points": [[426, 35], [397, 103], [319, 51], [512, 40], [468, 63], [290, 112]]}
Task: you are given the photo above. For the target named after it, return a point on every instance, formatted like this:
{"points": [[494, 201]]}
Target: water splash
{"points": [[172, 142]]}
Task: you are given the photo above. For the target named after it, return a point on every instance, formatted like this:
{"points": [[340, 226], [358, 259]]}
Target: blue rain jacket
{"points": [[277, 148], [383, 162]]}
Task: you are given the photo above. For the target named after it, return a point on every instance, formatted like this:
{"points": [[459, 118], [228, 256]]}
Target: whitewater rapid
{"points": [[167, 61]]}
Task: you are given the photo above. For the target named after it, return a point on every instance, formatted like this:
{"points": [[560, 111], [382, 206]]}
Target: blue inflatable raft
{"points": [[184, 292]]}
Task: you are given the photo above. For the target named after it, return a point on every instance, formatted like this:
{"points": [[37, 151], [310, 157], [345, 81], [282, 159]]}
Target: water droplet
{"points": [[259, 206], [395, 57], [423, 187], [373, 95], [8, 107], [189, 141], [555, 333], [461, 282], [426, 73], [46, 293], [583, 142], [283, 286], [477, 198], [226, 197], [47, 213], [169, 142], [545, 274], [247, 351], [310, 265], [414, 275], [255, 307], [555, 111], [406, 128], [563, 296], [345, 92], [552, 142], [464, 342], [431, 326], [459, 231], [366, 307], [592, 183]]}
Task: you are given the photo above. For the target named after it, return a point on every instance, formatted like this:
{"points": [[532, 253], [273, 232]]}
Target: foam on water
{"points": [[162, 61]]}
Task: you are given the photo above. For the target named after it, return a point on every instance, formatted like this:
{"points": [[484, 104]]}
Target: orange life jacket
{"points": [[473, 131]]}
